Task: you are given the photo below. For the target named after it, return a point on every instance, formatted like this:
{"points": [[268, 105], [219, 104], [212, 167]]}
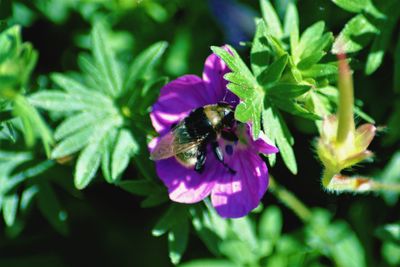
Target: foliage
{"points": [[74, 85]]}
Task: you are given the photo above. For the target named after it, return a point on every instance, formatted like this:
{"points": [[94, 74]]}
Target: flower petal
{"points": [[235, 195], [186, 185], [176, 100], [264, 145], [213, 76]]}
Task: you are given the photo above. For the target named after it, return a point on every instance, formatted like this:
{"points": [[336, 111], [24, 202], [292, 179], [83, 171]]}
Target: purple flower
{"points": [[232, 195]]}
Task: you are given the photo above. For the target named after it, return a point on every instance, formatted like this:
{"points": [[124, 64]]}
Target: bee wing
{"points": [[172, 144]]}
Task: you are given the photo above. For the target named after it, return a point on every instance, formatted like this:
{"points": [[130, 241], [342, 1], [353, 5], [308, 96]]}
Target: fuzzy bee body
{"points": [[187, 141]]}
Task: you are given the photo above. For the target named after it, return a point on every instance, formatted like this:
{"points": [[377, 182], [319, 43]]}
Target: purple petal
{"points": [[176, 100], [235, 195], [213, 76], [186, 185], [264, 145]]}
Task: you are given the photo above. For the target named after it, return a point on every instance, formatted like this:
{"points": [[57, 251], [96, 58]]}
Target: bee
{"points": [[187, 141]]}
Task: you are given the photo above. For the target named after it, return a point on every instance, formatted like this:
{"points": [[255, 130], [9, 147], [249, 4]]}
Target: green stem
{"points": [[346, 126], [290, 200]]}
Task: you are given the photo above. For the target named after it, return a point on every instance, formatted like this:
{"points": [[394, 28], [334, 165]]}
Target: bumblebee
{"points": [[187, 141]]}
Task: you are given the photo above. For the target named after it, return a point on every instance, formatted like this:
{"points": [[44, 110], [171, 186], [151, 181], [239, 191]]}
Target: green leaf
{"points": [[144, 63], [311, 35], [390, 175], [230, 248], [10, 208], [390, 232], [76, 123], [87, 165], [248, 90], [320, 70], [34, 125], [56, 101], [73, 143], [81, 93], [271, 19], [105, 60], [50, 207], [382, 41], [174, 213], [155, 200], [357, 6], [125, 148], [276, 129], [209, 263], [318, 46], [287, 90], [291, 25], [260, 53], [391, 253], [27, 197], [234, 62], [270, 226], [178, 237], [139, 187], [244, 230], [274, 72], [309, 61], [355, 35]]}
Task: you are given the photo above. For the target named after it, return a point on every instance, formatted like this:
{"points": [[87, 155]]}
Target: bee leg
{"points": [[201, 158], [220, 156], [229, 136]]}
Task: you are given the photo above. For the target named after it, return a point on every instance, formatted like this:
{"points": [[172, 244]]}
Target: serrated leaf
{"points": [[287, 91], [260, 53], [276, 129], [50, 207], [144, 63], [354, 35], [178, 237], [125, 147], [291, 25], [310, 35], [10, 208], [274, 72], [105, 60], [87, 164], [271, 18]]}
